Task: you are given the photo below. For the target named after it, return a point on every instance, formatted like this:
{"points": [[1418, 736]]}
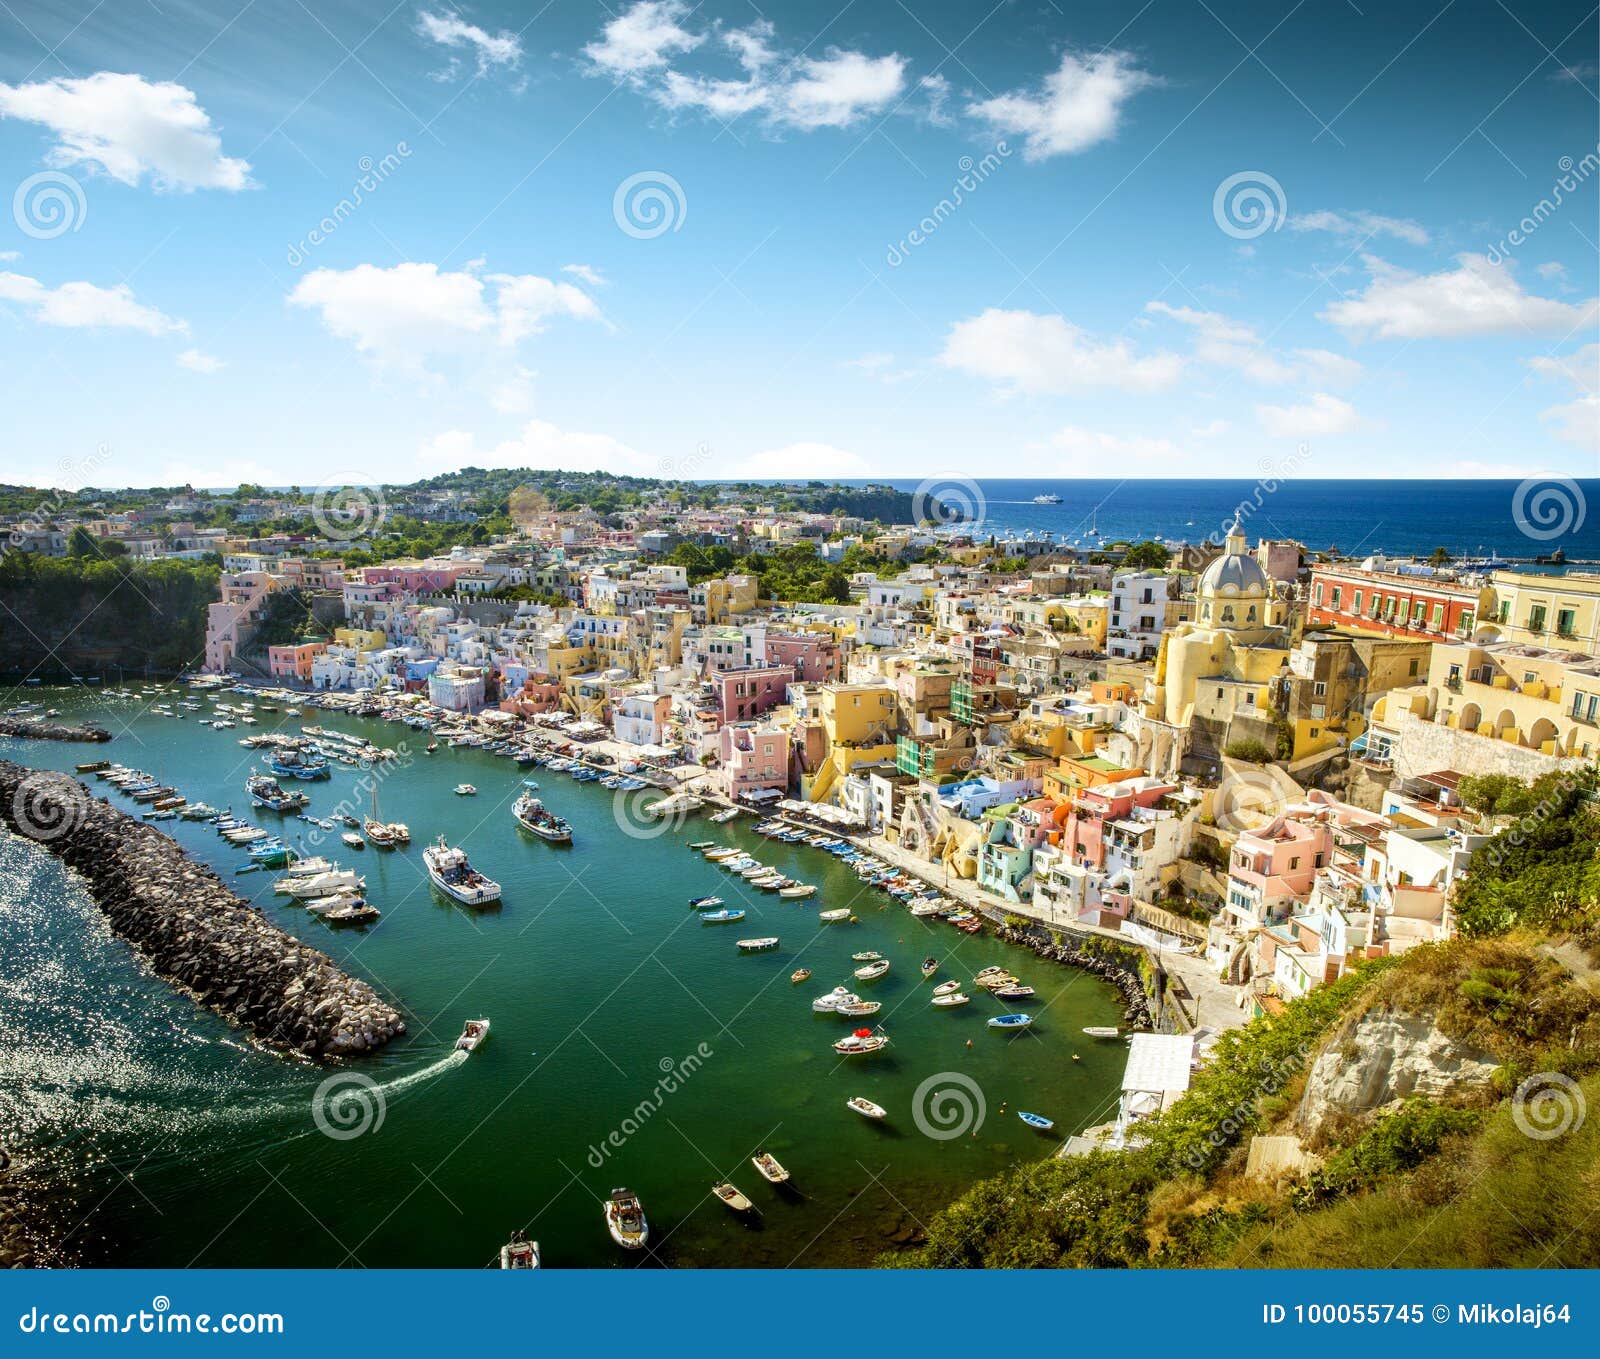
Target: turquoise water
{"points": [[631, 1044]]}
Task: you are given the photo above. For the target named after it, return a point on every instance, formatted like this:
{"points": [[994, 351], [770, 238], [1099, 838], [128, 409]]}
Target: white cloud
{"points": [[1103, 448], [1323, 416], [1226, 343], [937, 89], [642, 39], [584, 274], [1209, 430], [724, 99], [880, 365], [1027, 352], [539, 445], [838, 89], [514, 395], [9, 256], [1581, 368], [128, 127], [1556, 272], [802, 460], [402, 314], [1350, 227], [489, 49], [1080, 104], [86, 306], [197, 362], [1477, 297], [1577, 421]]}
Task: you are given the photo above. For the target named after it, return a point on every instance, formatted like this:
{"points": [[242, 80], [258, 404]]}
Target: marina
{"points": [[149, 1061]]}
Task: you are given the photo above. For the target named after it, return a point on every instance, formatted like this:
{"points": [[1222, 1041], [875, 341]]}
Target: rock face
{"points": [[1384, 1057], [1127, 981], [50, 731], [192, 929]]}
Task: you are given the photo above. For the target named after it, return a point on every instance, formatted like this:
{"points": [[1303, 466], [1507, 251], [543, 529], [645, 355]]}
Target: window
{"points": [[1566, 622], [1320, 688], [1536, 615], [1412, 668], [1355, 602], [1377, 604], [1438, 617], [1337, 593], [1319, 593]]}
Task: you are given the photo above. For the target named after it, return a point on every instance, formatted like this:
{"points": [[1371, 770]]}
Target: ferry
{"points": [[532, 815], [1047, 499], [450, 872]]}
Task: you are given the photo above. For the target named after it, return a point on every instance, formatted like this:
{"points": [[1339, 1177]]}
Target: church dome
{"points": [[1234, 573], [1234, 589]]}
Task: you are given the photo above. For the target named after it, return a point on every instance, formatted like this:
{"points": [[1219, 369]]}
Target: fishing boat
{"points": [[866, 956], [866, 1108], [722, 917], [1012, 992], [519, 1253], [625, 1220], [829, 917], [930, 965], [532, 815], [266, 791], [856, 1008], [950, 999], [1038, 1121], [947, 988], [465, 790], [761, 945], [353, 840], [872, 971], [860, 1043], [450, 872], [475, 1032], [1017, 1021], [1101, 1031], [738, 1202], [704, 903], [800, 889], [800, 974], [93, 766], [352, 913], [768, 1167]]}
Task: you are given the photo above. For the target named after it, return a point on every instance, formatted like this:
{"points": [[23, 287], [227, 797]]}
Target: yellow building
{"points": [[1548, 611], [1542, 700], [361, 639], [858, 721], [718, 601]]}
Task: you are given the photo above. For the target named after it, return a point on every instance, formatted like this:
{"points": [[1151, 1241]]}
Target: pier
{"points": [[191, 929]]}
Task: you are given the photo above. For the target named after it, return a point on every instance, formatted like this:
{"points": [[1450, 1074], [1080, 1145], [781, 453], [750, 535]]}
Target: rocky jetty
{"points": [[191, 929], [1126, 979], [41, 730]]}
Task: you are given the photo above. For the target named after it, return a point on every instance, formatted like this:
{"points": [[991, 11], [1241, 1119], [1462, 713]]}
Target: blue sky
{"points": [[1183, 237]]}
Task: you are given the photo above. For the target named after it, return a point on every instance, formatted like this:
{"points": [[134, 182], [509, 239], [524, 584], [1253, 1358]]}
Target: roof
{"points": [[1158, 1062]]}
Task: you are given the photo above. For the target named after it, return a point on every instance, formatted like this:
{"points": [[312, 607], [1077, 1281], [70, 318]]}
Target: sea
{"points": [[1476, 520], [631, 1044]]}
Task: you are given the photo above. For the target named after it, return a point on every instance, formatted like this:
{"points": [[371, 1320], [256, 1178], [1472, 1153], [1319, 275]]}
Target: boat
{"points": [[947, 988], [266, 791], [704, 903], [1047, 499], [929, 966], [724, 816], [465, 790], [872, 971], [701, 845], [861, 1042], [475, 1032], [1038, 1121], [828, 917], [519, 1253], [995, 971], [829, 1003], [1010, 1021], [450, 872], [353, 840], [856, 1008], [866, 956], [1100, 1031], [93, 766], [532, 815], [430, 748], [768, 1167], [800, 974], [722, 917], [738, 1202], [761, 945], [800, 889], [1013, 993], [625, 1220], [866, 1108], [951, 998], [352, 913]]}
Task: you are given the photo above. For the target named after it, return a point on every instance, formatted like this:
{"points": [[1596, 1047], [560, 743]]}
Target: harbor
{"points": [[631, 1044]]}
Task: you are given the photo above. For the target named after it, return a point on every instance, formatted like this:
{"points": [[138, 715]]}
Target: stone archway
{"points": [[1544, 730], [1506, 721], [1471, 718]]}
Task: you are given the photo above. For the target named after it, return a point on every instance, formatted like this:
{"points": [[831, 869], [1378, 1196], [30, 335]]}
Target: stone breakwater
{"points": [[50, 731], [1126, 979], [191, 929]]}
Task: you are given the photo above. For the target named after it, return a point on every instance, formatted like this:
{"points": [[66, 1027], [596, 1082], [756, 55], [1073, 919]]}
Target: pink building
{"points": [[1274, 868], [755, 761], [414, 580], [750, 692], [814, 658], [535, 697], [1083, 831], [293, 662]]}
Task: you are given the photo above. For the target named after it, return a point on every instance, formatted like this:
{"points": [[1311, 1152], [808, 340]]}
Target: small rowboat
{"points": [[758, 945], [1010, 1021], [1013, 992], [800, 974], [1038, 1121], [948, 988], [951, 998], [768, 1168], [722, 917], [869, 956], [804, 889], [866, 1108], [702, 844], [828, 917], [991, 972], [738, 1202], [858, 1009], [704, 903], [1100, 1031], [872, 971], [929, 966]]}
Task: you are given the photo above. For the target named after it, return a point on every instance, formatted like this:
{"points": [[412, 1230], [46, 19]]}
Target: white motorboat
{"points": [[450, 872], [737, 1201], [830, 1003], [321, 884], [519, 1253], [800, 889], [1100, 1031], [532, 815], [860, 1043], [475, 1032], [466, 790], [951, 998], [768, 1167], [305, 868], [761, 945], [625, 1220], [829, 917], [866, 1108], [872, 971]]}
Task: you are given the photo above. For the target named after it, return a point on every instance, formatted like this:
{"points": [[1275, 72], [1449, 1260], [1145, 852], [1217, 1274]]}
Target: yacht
{"points": [[1047, 499], [450, 872]]}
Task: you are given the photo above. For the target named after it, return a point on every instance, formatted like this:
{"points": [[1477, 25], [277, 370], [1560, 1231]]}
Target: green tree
{"points": [[1146, 556]]}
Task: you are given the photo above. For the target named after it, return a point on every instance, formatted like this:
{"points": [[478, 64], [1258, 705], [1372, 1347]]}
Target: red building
{"points": [[1391, 604]]}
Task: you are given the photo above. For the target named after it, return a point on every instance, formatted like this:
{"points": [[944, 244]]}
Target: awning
{"points": [[761, 795]]}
